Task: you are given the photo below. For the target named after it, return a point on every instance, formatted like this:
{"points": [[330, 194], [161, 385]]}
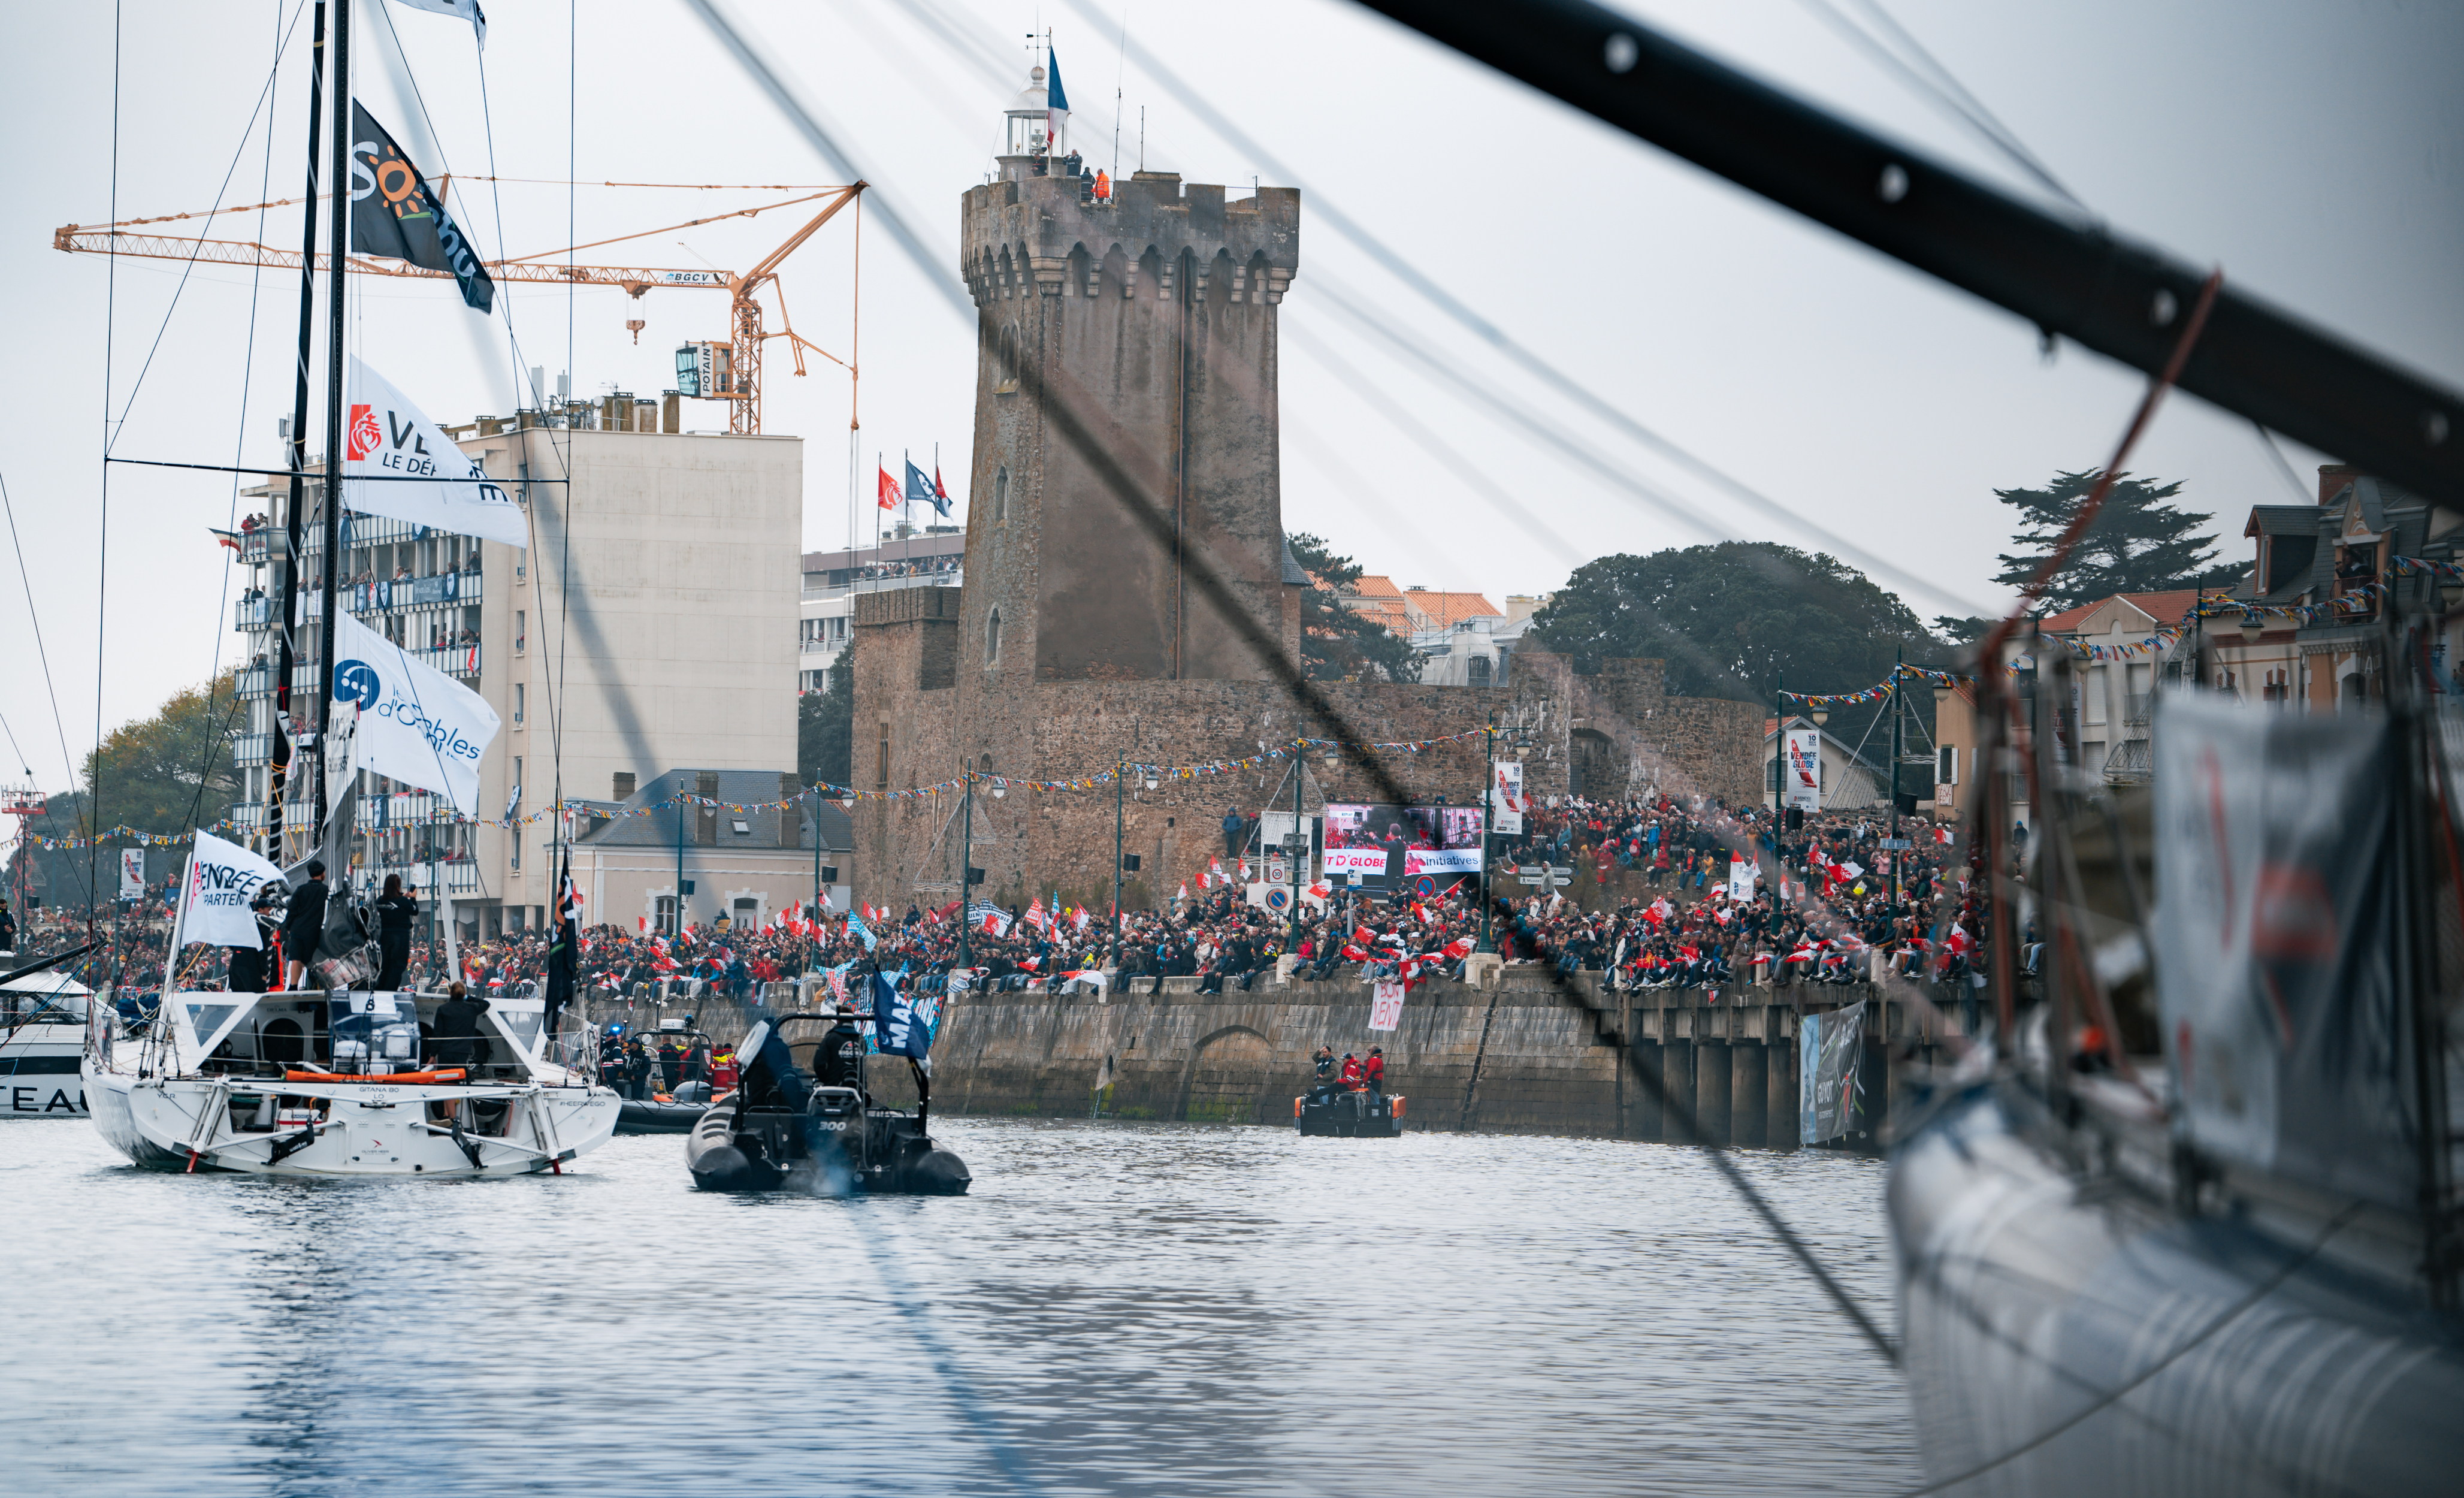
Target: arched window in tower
{"points": [[1009, 356], [992, 639], [1000, 495]]}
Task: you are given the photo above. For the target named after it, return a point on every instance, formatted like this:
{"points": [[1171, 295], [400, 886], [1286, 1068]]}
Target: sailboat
{"points": [[347, 1079], [42, 1032]]}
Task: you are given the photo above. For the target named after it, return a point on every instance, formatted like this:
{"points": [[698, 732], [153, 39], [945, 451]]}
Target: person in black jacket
{"points": [[457, 1038], [304, 928], [395, 911], [252, 967]]}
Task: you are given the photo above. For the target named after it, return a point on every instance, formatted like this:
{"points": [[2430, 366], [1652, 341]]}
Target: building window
{"points": [[1946, 770], [518, 700], [1479, 671], [881, 777], [667, 916], [521, 630], [992, 639], [517, 846], [1000, 495]]}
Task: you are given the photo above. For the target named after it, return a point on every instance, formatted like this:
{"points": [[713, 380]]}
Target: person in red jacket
{"points": [[1351, 1070], [1373, 1071]]}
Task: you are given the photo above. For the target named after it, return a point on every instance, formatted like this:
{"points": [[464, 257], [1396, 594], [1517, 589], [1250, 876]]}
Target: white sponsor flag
{"points": [[390, 439], [222, 878], [415, 723], [1386, 1006]]}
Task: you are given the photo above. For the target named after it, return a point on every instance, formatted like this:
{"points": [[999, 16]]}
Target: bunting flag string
{"points": [[844, 794], [1876, 694]]}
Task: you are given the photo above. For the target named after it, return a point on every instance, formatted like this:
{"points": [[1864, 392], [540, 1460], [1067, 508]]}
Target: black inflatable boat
{"points": [[676, 1115], [780, 1129], [1345, 1113]]}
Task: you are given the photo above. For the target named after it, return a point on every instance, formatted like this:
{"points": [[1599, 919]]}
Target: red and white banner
{"points": [[1386, 1006]]}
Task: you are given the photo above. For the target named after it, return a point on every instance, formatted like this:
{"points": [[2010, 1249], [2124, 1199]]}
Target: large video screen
{"points": [[1390, 845]]}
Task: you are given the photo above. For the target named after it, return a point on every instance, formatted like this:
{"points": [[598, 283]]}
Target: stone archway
{"points": [[1224, 1080]]}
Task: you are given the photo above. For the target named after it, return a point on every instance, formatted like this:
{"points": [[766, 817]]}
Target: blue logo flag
{"points": [[926, 491], [855, 923], [902, 1023]]}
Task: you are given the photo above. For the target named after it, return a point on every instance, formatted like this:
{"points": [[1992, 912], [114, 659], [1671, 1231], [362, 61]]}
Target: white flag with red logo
{"points": [[415, 472]]}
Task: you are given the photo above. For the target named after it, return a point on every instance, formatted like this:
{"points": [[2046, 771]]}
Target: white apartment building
{"points": [[933, 556], [647, 633]]}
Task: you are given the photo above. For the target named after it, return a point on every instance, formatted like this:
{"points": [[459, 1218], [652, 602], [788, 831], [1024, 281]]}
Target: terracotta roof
{"points": [[1441, 611], [1372, 584], [2165, 609], [1386, 614]]}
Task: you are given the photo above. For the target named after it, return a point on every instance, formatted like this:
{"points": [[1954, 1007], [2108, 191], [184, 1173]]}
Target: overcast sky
{"points": [[2313, 151]]}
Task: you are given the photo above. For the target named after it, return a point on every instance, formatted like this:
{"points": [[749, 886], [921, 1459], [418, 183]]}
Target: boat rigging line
{"points": [[2115, 298], [43, 655], [1077, 421], [1791, 520]]}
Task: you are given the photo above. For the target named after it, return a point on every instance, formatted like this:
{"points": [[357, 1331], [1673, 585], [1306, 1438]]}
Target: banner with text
{"points": [[1386, 1006], [415, 724], [222, 878], [390, 439]]}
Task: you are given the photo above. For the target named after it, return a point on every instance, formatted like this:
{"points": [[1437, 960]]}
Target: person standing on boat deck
{"points": [[251, 968], [305, 927], [1374, 1070], [457, 1029], [394, 913], [1325, 1061]]}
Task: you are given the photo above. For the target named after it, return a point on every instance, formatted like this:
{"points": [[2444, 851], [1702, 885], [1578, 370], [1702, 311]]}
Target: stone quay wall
{"points": [[1517, 1057]]}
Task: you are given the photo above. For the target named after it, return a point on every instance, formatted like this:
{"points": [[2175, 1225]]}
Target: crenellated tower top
{"points": [[1026, 231]]}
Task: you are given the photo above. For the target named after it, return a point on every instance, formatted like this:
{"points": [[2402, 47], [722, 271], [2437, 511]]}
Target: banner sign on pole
{"points": [[132, 873], [1386, 1006], [1801, 774]]}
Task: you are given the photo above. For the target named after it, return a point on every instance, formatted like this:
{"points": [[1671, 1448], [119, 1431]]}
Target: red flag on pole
{"points": [[888, 493]]}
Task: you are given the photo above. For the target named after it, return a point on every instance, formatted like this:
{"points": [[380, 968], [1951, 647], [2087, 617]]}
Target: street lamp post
{"points": [[1120, 798], [1296, 848], [1487, 795], [966, 860], [680, 855]]}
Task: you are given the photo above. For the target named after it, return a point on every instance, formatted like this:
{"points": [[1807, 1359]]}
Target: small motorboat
{"points": [[663, 1113], [1348, 1112], [782, 1130]]}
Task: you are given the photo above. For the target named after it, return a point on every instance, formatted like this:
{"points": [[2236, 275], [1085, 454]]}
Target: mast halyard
{"points": [[340, 201], [296, 516]]}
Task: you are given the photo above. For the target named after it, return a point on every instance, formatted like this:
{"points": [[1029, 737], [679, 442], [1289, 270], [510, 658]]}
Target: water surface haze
{"points": [[1115, 1309]]}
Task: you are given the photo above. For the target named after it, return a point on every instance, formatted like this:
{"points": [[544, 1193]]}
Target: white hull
{"points": [[364, 1129], [245, 1096], [38, 1072]]}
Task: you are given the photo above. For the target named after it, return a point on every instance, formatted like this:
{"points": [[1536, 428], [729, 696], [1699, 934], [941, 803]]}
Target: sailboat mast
{"points": [[340, 201], [295, 517]]}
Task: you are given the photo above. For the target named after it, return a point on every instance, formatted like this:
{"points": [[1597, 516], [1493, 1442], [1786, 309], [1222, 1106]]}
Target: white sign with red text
{"points": [[1386, 1006]]}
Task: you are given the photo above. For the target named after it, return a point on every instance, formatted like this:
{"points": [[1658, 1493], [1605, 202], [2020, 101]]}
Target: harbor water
{"points": [[1115, 1309]]}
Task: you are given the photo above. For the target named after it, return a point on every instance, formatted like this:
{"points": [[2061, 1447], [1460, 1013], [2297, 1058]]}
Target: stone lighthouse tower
{"points": [[1152, 313]]}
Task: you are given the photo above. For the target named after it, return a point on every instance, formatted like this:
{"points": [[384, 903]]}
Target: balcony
{"points": [[252, 613], [256, 681], [829, 646], [953, 577], [251, 749]]}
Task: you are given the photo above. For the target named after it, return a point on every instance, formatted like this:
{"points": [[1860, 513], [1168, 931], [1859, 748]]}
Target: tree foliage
{"points": [[2140, 543], [1732, 620], [1338, 641], [825, 727], [173, 770]]}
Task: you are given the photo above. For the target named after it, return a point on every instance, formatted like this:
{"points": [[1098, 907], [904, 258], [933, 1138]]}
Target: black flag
{"points": [[395, 214], [564, 944]]}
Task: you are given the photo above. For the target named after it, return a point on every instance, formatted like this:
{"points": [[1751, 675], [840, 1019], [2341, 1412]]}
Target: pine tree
{"points": [[2140, 543], [1336, 640]]}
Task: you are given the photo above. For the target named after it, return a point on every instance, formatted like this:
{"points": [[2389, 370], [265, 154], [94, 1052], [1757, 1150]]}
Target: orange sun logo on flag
{"points": [[364, 435]]}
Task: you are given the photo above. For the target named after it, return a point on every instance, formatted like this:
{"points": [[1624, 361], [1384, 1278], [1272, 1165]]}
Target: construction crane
{"points": [[726, 369]]}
